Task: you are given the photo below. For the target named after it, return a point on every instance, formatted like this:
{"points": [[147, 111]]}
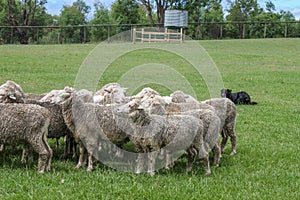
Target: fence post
{"points": [[11, 35], [108, 33], [265, 30], [221, 31], [84, 33], [181, 35], [37, 36], [286, 30], [134, 36], [244, 30], [166, 38]]}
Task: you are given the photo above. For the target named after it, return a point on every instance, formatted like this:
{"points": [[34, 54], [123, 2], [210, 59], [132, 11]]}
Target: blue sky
{"points": [[54, 6]]}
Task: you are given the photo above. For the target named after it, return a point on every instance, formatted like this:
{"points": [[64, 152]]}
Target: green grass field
{"points": [[267, 163]]}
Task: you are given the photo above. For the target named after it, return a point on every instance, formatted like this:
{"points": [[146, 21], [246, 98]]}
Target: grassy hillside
{"points": [[266, 165]]}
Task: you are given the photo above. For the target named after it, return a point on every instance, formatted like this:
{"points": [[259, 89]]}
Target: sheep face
{"points": [[116, 95], [9, 96], [129, 107]]}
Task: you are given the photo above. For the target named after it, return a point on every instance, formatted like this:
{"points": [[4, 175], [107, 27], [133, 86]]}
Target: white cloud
{"points": [[296, 13]]}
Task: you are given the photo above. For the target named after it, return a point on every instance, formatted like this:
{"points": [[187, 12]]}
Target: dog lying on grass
{"points": [[237, 98]]}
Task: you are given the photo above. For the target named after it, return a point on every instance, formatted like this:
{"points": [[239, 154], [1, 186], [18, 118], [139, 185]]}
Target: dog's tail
{"points": [[253, 103]]}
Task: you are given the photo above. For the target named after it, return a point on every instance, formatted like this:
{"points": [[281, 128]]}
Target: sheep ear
{"points": [[12, 96], [107, 90]]}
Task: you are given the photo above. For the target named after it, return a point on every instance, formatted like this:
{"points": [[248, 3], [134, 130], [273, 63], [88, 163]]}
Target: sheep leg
{"points": [[232, 135], [82, 156], [224, 140], [27, 153], [67, 146], [217, 155], [203, 156], [24, 153], [161, 154], [43, 154], [73, 146], [169, 159], [151, 162], [233, 143], [191, 154], [70, 147], [90, 162], [140, 163], [50, 152], [57, 143]]}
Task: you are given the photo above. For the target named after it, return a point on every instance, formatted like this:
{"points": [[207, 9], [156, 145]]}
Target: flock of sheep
{"points": [[158, 126]]}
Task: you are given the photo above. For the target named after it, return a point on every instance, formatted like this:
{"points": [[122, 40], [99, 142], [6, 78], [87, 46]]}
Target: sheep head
{"points": [[9, 96]]}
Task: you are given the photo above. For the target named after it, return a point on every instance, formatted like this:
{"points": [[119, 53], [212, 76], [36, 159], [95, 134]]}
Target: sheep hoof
{"points": [[89, 169], [208, 173], [78, 166], [151, 173], [233, 153]]}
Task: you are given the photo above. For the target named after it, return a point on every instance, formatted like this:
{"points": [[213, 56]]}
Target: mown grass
{"points": [[265, 167]]}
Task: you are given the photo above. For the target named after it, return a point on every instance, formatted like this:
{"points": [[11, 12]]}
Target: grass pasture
{"points": [[267, 163]]}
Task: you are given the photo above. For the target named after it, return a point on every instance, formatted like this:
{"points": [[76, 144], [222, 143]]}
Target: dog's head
{"points": [[225, 92]]}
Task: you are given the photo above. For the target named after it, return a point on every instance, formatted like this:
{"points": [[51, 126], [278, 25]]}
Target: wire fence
{"points": [[102, 32]]}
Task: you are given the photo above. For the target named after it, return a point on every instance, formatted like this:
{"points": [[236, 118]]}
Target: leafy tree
{"points": [[199, 12], [160, 6], [101, 16], [82, 7], [125, 12], [70, 16], [292, 29], [22, 13], [240, 11], [213, 13]]}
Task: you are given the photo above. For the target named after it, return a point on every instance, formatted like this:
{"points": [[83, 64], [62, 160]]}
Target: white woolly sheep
{"points": [[110, 93], [211, 122], [56, 96], [226, 111], [172, 132], [180, 97], [91, 124], [57, 127], [27, 124], [11, 92]]}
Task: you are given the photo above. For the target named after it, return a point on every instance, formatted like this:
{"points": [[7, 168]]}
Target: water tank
{"points": [[176, 18]]}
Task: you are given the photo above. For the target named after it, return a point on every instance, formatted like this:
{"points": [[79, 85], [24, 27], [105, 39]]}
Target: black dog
{"points": [[237, 98]]}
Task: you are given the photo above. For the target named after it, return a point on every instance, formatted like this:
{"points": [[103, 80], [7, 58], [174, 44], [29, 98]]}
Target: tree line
{"points": [[207, 19]]}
